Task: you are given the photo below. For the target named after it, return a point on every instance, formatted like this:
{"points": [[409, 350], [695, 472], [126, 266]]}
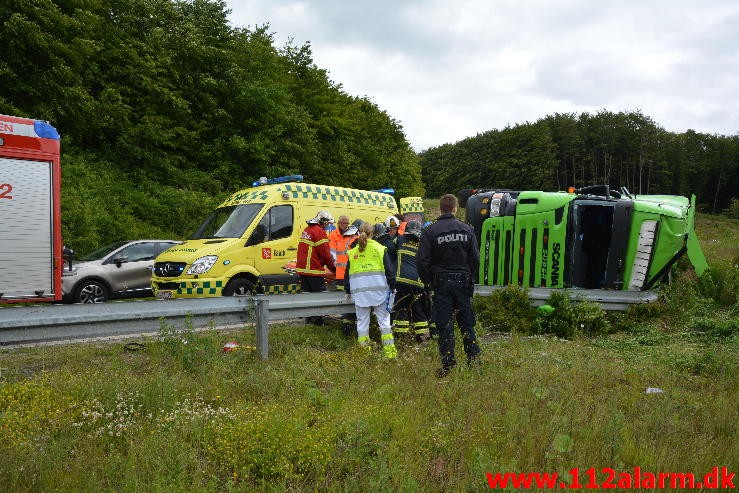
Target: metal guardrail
{"points": [[47, 323], [23, 325]]}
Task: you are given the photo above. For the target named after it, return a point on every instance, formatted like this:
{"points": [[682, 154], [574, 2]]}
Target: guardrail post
{"points": [[261, 307]]}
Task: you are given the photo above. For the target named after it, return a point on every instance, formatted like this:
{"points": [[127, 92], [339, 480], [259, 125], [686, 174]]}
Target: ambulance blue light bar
{"points": [[389, 191], [280, 179]]}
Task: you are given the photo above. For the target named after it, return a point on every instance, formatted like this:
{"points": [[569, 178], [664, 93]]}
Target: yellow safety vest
{"points": [[367, 274]]}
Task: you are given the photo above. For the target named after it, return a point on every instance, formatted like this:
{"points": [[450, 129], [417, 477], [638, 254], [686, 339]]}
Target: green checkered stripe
{"points": [[245, 196], [282, 289], [411, 205], [207, 287], [334, 194]]}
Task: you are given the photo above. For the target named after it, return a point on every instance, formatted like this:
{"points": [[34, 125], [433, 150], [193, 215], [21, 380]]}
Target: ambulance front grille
{"points": [[168, 269]]}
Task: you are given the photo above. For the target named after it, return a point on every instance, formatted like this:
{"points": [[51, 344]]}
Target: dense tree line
{"points": [[618, 149], [164, 108]]}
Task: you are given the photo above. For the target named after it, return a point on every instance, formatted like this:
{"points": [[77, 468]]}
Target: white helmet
{"points": [[322, 217], [392, 222]]}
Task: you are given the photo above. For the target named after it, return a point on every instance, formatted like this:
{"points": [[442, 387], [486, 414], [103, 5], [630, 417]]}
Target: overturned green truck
{"points": [[589, 238]]}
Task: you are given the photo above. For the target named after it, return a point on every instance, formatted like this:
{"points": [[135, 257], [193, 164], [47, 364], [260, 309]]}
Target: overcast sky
{"points": [[449, 69]]}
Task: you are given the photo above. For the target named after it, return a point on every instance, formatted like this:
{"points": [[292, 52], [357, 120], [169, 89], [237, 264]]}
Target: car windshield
{"points": [[227, 222], [102, 252]]}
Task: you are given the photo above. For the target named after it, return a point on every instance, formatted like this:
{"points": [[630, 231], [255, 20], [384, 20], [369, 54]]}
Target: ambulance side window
{"points": [[275, 224], [281, 218]]}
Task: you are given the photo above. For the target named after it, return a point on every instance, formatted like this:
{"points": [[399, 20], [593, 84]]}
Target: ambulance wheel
{"points": [[239, 287], [90, 291]]}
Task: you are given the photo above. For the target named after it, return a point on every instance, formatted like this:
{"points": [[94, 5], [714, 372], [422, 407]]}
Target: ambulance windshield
{"points": [[227, 222]]}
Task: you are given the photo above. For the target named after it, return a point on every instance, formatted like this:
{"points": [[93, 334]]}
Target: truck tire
{"points": [[91, 291], [239, 287]]}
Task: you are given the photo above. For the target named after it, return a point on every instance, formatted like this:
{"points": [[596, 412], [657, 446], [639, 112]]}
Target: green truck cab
{"points": [[590, 238]]}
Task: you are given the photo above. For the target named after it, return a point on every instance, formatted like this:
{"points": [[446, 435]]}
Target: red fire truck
{"points": [[31, 260]]}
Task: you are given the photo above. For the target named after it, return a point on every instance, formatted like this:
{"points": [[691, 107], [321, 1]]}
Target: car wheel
{"points": [[91, 292], [239, 287]]}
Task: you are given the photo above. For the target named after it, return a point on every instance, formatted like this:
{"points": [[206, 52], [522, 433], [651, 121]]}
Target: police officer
{"points": [[448, 259]]}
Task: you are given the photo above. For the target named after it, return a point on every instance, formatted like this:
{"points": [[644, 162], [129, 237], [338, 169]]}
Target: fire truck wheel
{"points": [[238, 287], [91, 292]]}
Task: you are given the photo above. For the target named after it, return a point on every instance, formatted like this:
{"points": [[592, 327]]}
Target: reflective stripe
{"points": [[309, 256], [363, 340], [309, 271], [313, 243], [387, 339], [390, 351], [401, 326], [336, 252], [412, 282], [363, 282]]}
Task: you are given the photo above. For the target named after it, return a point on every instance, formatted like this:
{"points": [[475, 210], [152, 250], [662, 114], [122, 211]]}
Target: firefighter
{"points": [[447, 260], [371, 282], [313, 255], [411, 305], [392, 224]]}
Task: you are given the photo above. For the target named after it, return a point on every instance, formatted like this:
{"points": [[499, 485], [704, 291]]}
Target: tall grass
{"points": [[181, 415]]}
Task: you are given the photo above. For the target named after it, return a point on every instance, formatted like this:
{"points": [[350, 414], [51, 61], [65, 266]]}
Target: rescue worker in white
{"points": [[371, 282]]}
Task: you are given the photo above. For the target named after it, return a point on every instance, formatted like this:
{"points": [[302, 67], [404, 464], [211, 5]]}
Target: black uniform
{"points": [[391, 243], [411, 302], [448, 259]]}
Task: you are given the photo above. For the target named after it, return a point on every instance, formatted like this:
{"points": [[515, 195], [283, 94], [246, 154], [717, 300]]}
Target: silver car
{"points": [[119, 269]]}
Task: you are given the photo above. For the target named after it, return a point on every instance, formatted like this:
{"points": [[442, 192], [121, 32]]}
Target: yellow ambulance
{"points": [[243, 245]]}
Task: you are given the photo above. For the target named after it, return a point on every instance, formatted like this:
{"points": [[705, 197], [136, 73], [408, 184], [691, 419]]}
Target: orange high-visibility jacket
{"points": [[339, 245]]}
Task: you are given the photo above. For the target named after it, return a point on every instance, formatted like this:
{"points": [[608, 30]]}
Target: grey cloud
{"points": [[481, 64]]}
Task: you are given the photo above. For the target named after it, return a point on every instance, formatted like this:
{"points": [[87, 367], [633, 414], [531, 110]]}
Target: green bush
{"points": [[505, 310], [570, 318]]}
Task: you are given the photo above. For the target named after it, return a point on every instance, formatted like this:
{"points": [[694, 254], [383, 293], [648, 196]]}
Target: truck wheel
{"points": [[90, 292], [239, 287]]}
